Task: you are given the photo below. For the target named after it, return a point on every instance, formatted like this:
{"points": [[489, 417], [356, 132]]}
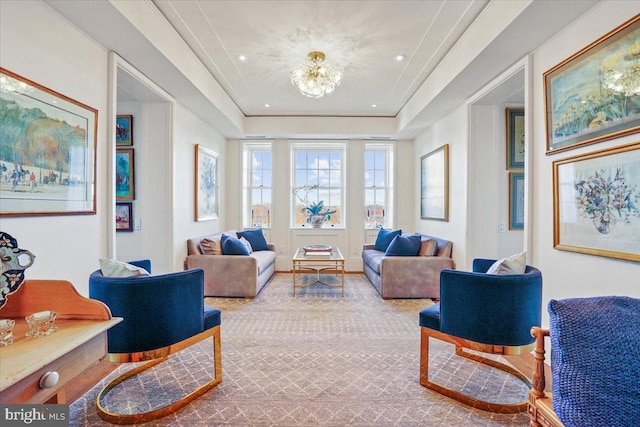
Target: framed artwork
{"points": [[124, 216], [516, 200], [515, 138], [125, 186], [124, 130], [434, 184], [206, 184], [47, 151], [597, 203], [594, 95]]}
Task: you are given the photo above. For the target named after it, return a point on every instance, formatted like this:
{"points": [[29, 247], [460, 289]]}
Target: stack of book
{"points": [[317, 251]]}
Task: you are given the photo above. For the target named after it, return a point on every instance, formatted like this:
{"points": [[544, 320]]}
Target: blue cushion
{"points": [[233, 246], [430, 317], [384, 239], [404, 245], [256, 238], [595, 360]]}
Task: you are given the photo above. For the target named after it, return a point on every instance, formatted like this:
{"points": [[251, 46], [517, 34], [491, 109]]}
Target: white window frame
{"points": [[319, 146], [249, 147], [389, 149]]}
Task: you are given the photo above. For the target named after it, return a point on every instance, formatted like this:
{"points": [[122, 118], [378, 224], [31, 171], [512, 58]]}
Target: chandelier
{"points": [[9, 84], [316, 77]]}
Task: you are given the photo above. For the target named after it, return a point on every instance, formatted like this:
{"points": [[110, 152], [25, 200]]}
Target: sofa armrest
{"points": [[272, 247]]}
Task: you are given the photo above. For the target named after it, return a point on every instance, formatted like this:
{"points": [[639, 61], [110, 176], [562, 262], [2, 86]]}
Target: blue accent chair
{"points": [[487, 313], [162, 315], [595, 364]]}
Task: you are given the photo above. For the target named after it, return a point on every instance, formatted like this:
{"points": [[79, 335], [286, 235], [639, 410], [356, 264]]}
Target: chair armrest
{"points": [[538, 381]]}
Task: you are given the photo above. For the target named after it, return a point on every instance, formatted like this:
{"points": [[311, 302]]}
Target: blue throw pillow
{"points": [[595, 360], [233, 246], [256, 238], [384, 239], [404, 245]]}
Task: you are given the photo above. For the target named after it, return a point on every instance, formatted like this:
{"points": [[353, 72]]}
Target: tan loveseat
{"points": [[231, 275], [407, 276]]}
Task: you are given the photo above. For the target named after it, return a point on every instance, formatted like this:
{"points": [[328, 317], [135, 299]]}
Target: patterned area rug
{"points": [[318, 359]]}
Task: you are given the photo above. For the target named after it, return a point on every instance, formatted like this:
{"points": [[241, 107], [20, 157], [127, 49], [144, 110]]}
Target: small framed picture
{"points": [[515, 138], [124, 174], [124, 216], [516, 201], [124, 130], [206, 184]]}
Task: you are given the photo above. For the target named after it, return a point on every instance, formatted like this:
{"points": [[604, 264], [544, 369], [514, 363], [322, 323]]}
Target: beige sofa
{"points": [[407, 276], [231, 275]]}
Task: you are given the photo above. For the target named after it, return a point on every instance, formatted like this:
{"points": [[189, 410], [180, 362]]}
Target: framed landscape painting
{"points": [[434, 184], [124, 130], [597, 203], [594, 95], [206, 184], [516, 201], [124, 216], [515, 138], [125, 174], [47, 150]]}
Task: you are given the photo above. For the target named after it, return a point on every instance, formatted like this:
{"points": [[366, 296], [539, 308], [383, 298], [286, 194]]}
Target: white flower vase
{"points": [[316, 221]]}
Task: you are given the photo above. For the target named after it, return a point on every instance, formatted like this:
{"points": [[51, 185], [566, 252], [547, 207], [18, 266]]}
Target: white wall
{"points": [[568, 274], [190, 130], [452, 130], [39, 45]]}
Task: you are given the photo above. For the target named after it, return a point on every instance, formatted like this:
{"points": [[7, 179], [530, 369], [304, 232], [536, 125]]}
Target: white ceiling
{"points": [[363, 36], [190, 48]]}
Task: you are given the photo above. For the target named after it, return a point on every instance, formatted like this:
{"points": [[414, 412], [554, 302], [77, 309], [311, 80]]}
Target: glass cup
{"points": [[6, 331], [41, 323]]}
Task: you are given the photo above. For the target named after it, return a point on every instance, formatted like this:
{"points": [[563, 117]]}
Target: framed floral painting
{"points": [[594, 95], [515, 138], [597, 203], [516, 200], [206, 183], [124, 216], [125, 173]]}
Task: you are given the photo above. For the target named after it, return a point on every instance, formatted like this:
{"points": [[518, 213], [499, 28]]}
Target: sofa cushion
{"points": [[256, 238], [114, 268], [384, 239], [211, 246], [233, 246], [246, 244], [264, 259], [428, 247], [373, 259], [515, 264], [595, 360], [404, 245]]}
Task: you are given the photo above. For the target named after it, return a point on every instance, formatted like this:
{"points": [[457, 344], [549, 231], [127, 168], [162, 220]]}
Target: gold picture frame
{"points": [[596, 203]]}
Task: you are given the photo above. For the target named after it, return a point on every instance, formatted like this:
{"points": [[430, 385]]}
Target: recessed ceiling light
{"points": [[242, 57], [374, 105], [400, 58], [267, 105]]}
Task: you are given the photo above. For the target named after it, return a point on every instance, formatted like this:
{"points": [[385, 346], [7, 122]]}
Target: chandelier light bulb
{"points": [[316, 77]]}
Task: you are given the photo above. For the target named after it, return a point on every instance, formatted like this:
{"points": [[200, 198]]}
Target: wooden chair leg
{"points": [[143, 417], [463, 398]]}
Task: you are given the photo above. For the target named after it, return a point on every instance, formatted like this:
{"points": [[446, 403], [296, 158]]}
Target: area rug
{"points": [[316, 359]]}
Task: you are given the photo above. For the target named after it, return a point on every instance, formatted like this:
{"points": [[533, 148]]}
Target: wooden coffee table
{"points": [[332, 262]]}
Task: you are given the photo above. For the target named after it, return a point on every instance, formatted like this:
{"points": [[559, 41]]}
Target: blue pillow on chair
{"points": [[233, 246], [404, 245], [384, 239], [256, 238]]}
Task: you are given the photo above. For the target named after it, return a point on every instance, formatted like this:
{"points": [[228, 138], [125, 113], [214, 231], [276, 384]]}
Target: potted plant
{"points": [[316, 212]]}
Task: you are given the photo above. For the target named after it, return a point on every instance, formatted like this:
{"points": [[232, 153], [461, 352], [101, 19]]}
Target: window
{"points": [[378, 184], [318, 176], [257, 167]]}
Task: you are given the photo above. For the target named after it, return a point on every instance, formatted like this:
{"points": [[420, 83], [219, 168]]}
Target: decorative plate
{"points": [[317, 248]]}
